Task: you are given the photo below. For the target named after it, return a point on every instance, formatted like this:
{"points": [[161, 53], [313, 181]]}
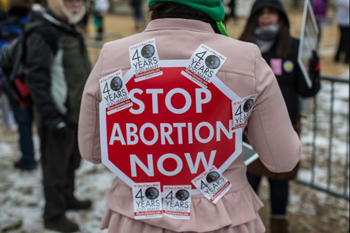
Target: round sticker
{"points": [[182, 195], [288, 66], [148, 51], [248, 105], [213, 62], [116, 84], [152, 193], [212, 177]]}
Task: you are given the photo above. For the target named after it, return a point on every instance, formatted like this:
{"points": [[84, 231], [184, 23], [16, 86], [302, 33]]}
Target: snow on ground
{"points": [[22, 200], [339, 149], [21, 197]]}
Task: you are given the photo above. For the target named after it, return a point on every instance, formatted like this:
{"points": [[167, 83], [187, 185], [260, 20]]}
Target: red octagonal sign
{"points": [[174, 130]]}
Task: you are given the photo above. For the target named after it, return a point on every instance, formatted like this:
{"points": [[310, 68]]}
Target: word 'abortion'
{"points": [[172, 132]]}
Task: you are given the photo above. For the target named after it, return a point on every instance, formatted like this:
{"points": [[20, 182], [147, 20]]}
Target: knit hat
{"points": [[275, 4], [20, 4], [60, 11], [213, 8]]}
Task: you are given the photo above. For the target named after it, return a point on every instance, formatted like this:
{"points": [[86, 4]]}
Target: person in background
{"points": [[84, 22], [230, 11], [179, 28], [343, 22], [100, 8], [10, 29], [320, 10], [58, 66], [139, 19], [268, 27]]}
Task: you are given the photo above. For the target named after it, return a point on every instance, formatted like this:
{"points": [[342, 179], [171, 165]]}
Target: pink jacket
{"points": [[246, 73]]}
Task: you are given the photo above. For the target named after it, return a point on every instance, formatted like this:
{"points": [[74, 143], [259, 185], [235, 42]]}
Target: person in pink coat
{"points": [[179, 28]]}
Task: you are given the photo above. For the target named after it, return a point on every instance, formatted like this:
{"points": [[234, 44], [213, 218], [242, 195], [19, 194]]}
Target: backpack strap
{"points": [[47, 32]]}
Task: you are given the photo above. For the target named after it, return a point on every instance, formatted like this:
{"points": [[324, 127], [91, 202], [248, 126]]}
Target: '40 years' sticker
{"points": [[177, 201], [147, 200], [212, 184], [204, 64], [144, 60], [241, 111], [114, 93]]}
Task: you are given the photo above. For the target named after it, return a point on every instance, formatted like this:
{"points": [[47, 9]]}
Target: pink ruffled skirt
{"points": [[236, 212], [121, 224]]}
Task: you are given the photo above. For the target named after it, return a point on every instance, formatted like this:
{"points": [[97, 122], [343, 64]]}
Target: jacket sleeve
{"points": [[39, 58], [89, 121], [269, 129]]}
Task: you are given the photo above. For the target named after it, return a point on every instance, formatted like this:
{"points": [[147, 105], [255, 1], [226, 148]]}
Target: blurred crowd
{"points": [[45, 65]]}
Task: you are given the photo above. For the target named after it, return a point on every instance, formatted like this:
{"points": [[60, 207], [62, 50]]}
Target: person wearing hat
{"points": [[268, 27], [342, 12], [100, 9], [58, 65], [179, 28]]}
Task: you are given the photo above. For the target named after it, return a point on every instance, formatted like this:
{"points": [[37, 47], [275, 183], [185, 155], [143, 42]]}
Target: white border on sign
{"points": [[307, 11], [165, 64], [104, 149]]}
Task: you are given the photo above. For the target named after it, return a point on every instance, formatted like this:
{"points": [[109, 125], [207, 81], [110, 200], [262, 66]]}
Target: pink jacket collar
{"points": [[178, 24]]}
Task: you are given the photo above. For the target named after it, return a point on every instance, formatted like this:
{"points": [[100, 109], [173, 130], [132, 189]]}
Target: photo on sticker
{"points": [[248, 105], [148, 51], [182, 195], [213, 62], [212, 177], [116, 84], [152, 193]]}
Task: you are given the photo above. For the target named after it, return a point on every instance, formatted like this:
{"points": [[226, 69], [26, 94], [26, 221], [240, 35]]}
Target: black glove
{"points": [[58, 127], [315, 69], [314, 63]]}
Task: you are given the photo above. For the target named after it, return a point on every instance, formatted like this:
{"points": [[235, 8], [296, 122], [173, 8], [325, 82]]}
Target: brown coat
{"points": [[246, 73]]}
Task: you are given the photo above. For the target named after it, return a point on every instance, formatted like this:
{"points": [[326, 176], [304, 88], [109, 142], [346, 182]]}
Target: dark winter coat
{"points": [[292, 84], [291, 79], [58, 67]]}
